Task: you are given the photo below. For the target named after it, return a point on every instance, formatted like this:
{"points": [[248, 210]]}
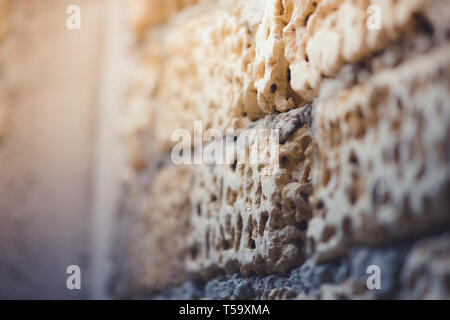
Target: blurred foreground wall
{"points": [[52, 120]]}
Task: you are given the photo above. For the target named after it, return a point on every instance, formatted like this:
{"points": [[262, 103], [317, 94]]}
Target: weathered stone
{"points": [[239, 60], [343, 278], [207, 76], [252, 216], [382, 167], [381, 129]]}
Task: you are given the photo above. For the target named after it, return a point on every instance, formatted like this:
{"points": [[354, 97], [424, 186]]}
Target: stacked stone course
{"points": [[364, 176]]}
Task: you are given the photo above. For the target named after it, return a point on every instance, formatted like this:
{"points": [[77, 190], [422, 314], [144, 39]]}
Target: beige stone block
{"points": [[231, 62], [322, 36], [207, 74], [248, 216], [382, 171]]}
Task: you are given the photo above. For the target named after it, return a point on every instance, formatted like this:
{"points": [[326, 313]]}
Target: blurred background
{"points": [[60, 92]]}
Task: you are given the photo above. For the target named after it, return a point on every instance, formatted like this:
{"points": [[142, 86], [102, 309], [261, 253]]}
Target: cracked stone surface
{"points": [[343, 278]]}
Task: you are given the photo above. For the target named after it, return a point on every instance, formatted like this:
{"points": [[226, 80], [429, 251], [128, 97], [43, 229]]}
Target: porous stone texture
{"points": [[363, 119], [382, 166], [322, 36], [252, 215], [239, 60], [402, 265], [207, 75]]}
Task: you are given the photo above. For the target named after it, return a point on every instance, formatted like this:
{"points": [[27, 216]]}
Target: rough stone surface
{"points": [[402, 264], [377, 138], [322, 36], [240, 60], [252, 215], [207, 75], [366, 194]]}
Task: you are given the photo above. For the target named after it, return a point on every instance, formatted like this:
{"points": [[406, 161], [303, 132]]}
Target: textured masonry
{"points": [[364, 172], [253, 217], [406, 274], [360, 177], [240, 60], [366, 194], [207, 76]]}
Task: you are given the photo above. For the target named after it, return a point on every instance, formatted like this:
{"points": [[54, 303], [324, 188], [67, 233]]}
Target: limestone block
{"points": [[381, 169], [322, 36], [207, 69], [270, 68], [232, 62], [426, 272], [246, 216]]}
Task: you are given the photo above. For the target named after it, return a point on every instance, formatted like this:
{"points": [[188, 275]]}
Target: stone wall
{"points": [[363, 175], [358, 177]]}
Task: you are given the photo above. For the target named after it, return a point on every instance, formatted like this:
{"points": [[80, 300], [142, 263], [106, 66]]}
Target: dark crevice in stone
{"points": [[306, 279]]}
